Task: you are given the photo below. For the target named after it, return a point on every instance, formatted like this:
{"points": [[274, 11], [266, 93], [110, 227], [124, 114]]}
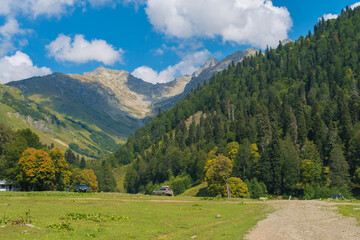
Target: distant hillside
{"points": [[19, 112]]}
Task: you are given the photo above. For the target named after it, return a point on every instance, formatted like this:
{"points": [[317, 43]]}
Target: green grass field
{"points": [[126, 216], [350, 211]]}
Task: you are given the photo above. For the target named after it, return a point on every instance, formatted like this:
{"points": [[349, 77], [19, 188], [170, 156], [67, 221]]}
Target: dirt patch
{"points": [[305, 220]]}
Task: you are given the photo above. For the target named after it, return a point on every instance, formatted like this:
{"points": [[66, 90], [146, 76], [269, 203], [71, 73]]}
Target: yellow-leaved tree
{"points": [[231, 150], [62, 169], [218, 174], [254, 158], [87, 177], [36, 170], [40, 170], [210, 159], [238, 188]]}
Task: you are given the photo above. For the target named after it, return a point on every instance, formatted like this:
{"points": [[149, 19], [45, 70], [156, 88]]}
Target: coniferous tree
{"points": [[82, 163], [275, 164], [290, 165], [301, 124], [339, 168]]}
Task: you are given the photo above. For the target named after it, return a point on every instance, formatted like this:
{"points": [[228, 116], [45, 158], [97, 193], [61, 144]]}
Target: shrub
{"points": [[60, 226], [322, 192], [257, 189], [325, 192], [309, 193], [237, 187]]}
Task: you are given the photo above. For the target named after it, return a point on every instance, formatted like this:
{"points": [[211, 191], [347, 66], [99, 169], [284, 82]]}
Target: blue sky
{"points": [[156, 40]]}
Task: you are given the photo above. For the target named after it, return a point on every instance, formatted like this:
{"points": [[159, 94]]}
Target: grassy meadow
{"points": [[350, 211], [59, 215]]}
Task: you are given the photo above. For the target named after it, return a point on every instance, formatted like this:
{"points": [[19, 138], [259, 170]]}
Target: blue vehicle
{"points": [[82, 188]]}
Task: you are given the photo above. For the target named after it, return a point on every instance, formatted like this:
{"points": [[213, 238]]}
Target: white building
{"points": [[7, 186]]}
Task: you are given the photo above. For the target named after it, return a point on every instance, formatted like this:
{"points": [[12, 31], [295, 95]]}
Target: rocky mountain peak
{"points": [[239, 55], [102, 74], [209, 63], [286, 41], [235, 57]]}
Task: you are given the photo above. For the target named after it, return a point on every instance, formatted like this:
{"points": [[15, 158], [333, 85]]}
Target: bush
{"points": [[322, 192], [345, 191], [309, 193], [179, 184], [149, 188], [237, 187], [257, 189], [325, 192]]}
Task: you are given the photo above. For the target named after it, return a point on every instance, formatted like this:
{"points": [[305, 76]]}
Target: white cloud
{"points": [[10, 28], [355, 5], [19, 66], [329, 16], [158, 51], [50, 8], [189, 64], [334, 16], [79, 50], [35, 8], [7, 33], [255, 22]]}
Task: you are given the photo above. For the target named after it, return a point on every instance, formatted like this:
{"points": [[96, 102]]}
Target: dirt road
{"points": [[305, 220]]}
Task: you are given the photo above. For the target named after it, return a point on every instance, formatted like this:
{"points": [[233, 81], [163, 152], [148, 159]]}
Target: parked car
{"points": [[82, 188], [164, 191]]}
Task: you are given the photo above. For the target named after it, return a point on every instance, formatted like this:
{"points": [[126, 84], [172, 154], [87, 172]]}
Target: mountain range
{"points": [[103, 106]]}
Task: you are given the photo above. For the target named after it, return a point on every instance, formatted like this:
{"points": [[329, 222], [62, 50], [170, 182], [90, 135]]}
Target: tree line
{"points": [[31, 165]]}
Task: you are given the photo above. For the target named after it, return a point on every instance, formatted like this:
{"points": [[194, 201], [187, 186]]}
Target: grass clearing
{"points": [[122, 216], [350, 211], [196, 191]]}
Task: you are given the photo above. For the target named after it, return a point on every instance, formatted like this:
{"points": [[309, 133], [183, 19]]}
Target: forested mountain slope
{"points": [[289, 118]]}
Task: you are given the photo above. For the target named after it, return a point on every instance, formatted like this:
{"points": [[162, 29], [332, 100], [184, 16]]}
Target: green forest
{"points": [[286, 121]]}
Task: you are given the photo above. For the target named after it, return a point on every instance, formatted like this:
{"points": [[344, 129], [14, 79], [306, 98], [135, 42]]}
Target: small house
{"points": [[7, 186]]}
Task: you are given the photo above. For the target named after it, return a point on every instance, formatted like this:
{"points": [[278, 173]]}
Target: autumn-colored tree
{"points": [[218, 174], [85, 177], [62, 169], [210, 159], [37, 170], [254, 159], [238, 188], [231, 150]]}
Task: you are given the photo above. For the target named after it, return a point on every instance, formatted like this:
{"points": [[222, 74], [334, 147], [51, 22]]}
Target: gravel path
{"points": [[305, 220]]}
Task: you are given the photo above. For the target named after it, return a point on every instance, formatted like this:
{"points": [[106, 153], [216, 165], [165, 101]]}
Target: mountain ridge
{"points": [[111, 101]]}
